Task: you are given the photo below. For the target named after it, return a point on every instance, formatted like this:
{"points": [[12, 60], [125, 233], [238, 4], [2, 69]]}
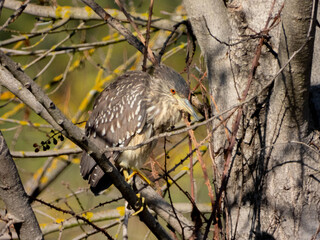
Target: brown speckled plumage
{"points": [[137, 106]]}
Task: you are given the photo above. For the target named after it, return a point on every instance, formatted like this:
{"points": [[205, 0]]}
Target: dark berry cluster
{"points": [[45, 145]]}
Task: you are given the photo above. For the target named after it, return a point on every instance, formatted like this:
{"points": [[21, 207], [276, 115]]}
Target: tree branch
{"points": [[121, 29], [175, 219], [24, 95], [82, 13], [50, 153]]}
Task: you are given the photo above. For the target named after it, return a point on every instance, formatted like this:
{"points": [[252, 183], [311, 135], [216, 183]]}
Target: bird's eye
{"points": [[173, 91]]}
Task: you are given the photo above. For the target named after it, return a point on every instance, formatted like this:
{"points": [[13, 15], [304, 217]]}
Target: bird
{"points": [[135, 107]]}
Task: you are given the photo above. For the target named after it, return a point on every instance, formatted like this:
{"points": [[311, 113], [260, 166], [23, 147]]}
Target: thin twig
{"points": [[45, 67], [165, 44], [25, 123], [147, 52], [166, 177], [15, 15], [203, 166], [64, 77], [120, 28], [72, 213], [49, 30], [146, 49], [82, 13], [48, 51], [49, 153]]}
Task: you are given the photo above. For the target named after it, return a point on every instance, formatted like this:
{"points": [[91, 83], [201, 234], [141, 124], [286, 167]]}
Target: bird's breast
{"points": [[163, 116], [136, 158]]}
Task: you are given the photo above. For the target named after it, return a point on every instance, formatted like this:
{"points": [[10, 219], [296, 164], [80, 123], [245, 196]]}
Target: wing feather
{"points": [[119, 113]]}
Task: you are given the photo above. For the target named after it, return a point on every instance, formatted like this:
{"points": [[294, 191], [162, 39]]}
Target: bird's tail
{"points": [[90, 171]]}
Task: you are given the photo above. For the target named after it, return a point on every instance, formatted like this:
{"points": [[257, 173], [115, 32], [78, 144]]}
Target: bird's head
{"points": [[173, 88]]}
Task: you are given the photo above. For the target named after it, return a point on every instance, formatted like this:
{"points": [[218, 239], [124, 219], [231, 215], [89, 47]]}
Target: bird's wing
{"points": [[119, 113]]}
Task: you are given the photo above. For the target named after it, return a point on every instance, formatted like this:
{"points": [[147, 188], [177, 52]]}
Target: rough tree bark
{"points": [[270, 190], [17, 202]]}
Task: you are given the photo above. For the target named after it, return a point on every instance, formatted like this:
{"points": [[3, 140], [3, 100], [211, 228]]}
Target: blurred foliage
{"points": [[71, 78]]}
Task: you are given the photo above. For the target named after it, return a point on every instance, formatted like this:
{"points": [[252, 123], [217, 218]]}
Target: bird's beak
{"points": [[186, 105]]}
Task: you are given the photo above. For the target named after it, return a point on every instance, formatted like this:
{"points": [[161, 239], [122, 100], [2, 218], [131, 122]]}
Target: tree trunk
{"points": [[17, 202], [270, 185]]}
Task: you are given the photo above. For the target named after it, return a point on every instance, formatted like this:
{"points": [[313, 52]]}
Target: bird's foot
{"points": [[141, 200], [126, 175], [137, 172]]}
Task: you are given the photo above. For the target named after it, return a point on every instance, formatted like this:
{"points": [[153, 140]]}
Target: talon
{"points": [[142, 176], [126, 175], [136, 172], [131, 175], [142, 205]]}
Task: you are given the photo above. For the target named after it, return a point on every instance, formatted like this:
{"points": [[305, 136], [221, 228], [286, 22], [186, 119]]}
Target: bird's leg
{"points": [[135, 171], [127, 177], [138, 172]]}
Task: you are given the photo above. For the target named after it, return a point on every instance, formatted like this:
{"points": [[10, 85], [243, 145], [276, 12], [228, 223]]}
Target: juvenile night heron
{"points": [[137, 106]]}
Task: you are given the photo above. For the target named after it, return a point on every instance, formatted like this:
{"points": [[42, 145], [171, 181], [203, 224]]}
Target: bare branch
{"points": [[43, 178], [26, 123], [109, 215], [147, 49], [16, 14], [49, 29], [175, 219], [120, 28], [82, 13], [48, 51], [147, 53], [83, 218], [50, 153], [7, 80]]}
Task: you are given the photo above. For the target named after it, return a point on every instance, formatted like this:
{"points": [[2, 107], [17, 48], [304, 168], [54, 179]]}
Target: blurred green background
{"points": [[69, 93]]}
